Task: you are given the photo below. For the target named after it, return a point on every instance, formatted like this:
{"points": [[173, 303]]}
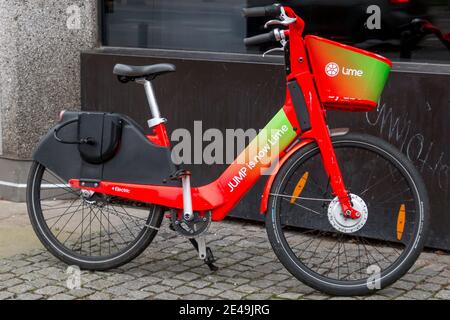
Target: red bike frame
{"points": [[223, 194]]}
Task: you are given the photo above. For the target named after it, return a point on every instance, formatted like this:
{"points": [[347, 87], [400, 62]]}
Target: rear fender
{"points": [[136, 161]]}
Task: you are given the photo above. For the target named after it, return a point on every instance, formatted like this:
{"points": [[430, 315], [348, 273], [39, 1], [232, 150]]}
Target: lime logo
{"points": [[332, 69], [352, 72]]}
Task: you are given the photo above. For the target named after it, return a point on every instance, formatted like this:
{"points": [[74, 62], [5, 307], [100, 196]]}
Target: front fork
{"points": [[321, 134], [334, 174]]}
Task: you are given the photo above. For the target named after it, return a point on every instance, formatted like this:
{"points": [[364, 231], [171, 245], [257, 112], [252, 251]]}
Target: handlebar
{"points": [[275, 35], [267, 11], [260, 38]]}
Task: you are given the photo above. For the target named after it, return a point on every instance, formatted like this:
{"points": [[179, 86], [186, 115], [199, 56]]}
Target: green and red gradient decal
{"points": [[347, 77], [255, 160], [259, 157]]}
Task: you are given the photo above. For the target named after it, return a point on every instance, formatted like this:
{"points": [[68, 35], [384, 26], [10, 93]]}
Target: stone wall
{"points": [[40, 45]]}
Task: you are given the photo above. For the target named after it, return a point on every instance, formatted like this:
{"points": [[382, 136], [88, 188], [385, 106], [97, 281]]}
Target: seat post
{"points": [[154, 109], [153, 104]]}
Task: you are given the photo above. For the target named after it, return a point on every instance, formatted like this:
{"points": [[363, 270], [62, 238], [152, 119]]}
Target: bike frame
{"points": [[279, 140]]}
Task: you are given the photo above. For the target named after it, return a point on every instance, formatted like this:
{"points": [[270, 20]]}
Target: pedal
{"points": [[204, 253]]}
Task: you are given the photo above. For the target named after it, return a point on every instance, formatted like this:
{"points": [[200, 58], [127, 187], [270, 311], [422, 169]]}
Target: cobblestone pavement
{"points": [[170, 269]]}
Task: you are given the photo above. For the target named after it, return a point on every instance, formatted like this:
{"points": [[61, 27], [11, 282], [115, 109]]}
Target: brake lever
{"points": [[279, 36], [272, 50], [284, 23], [285, 20]]}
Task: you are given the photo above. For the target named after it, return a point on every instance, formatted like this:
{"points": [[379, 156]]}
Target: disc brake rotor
{"points": [[345, 224]]}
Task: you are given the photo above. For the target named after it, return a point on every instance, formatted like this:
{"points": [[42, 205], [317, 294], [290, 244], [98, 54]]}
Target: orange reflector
{"points": [[401, 221], [299, 187]]}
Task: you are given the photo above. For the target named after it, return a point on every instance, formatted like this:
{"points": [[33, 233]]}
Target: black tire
{"points": [[83, 259], [310, 275]]}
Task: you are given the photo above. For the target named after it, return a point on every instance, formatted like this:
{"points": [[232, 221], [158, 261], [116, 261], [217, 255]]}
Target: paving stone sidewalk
{"points": [[170, 269]]}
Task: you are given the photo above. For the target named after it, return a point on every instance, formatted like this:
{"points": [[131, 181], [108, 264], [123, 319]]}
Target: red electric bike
{"points": [[346, 213]]}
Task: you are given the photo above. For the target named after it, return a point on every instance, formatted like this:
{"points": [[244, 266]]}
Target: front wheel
{"points": [[344, 256]]}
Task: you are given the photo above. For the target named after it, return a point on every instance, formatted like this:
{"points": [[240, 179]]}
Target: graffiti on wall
{"points": [[428, 156]]}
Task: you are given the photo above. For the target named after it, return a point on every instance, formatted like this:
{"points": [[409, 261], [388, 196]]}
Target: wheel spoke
{"points": [[303, 207], [89, 225]]}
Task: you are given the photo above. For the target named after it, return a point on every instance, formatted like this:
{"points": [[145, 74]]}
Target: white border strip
{"points": [[24, 185]]}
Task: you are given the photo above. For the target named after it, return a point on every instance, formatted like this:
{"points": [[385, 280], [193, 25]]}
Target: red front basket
{"points": [[348, 79]]}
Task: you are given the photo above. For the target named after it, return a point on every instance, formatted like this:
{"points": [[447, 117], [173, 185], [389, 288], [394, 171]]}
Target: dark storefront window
{"points": [[175, 24], [218, 26]]}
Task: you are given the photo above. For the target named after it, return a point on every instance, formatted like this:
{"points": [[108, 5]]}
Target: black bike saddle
{"points": [[149, 71]]}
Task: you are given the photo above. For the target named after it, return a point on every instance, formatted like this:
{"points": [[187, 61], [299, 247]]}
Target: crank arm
{"points": [[201, 247], [204, 252]]}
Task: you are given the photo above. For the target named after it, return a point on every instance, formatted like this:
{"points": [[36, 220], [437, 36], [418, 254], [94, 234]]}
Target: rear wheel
{"points": [[344, 256], [93, 231]]}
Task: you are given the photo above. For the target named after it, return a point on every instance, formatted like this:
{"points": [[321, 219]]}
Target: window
{"points": [[201, 25], [213, 25]]}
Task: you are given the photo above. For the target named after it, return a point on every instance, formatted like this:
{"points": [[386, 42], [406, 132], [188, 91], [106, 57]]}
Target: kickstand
{"points": [[204, 252]]}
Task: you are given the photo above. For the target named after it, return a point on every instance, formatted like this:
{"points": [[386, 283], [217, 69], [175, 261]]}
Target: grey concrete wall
{"points": [[40, 44], [13, 174]]}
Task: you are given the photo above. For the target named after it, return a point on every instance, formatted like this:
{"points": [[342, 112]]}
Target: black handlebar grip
{"points": [[260, 38], [267, 11], [254, 12], [273, 10]]}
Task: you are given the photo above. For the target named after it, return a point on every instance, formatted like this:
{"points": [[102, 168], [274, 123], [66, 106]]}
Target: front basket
{"points": [[348, 78]]}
